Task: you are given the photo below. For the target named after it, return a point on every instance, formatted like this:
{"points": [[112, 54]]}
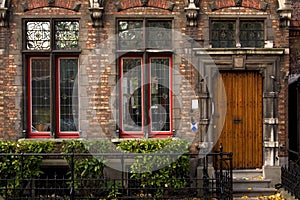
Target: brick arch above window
{"points": [[256, 4], [126, 4], [66, 4]]}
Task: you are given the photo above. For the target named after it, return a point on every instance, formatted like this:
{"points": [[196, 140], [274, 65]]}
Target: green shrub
{"points": [[16, 165], [162, 165], [88, 168]]}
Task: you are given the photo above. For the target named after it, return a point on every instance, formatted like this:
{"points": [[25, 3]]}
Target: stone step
{"points": [[253, 192], [240, 183], [251, 183], [249, 173]]}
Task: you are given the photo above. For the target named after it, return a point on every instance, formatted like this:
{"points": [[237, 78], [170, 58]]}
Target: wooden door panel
{"points": [[242, 130]]}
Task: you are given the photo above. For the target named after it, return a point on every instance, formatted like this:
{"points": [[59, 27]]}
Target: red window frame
{"points": [[33, 134], [54, 102], [59, 133], [145, 71]]}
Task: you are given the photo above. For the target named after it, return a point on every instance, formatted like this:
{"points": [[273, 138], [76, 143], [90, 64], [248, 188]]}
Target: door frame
{"points": [[267, 62]]}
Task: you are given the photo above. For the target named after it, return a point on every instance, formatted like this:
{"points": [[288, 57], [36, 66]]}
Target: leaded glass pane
{"points": [[40, 94], [66, 34], [68, 94], [132, 94], [159, 34], [38, 35], [252, 33], [130, 35], [160, 94], [223, 34]]}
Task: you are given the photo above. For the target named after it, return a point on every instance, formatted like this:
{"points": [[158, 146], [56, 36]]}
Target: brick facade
{"points": [[99, 73]]}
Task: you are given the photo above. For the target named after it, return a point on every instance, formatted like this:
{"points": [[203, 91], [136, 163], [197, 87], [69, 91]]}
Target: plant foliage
{"points": [[161, 165], [17, 163]]}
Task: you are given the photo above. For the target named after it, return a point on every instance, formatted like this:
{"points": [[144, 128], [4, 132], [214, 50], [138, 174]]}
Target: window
{"points": [[131, 35], [51, 50], [145, 78], [237, 33]]}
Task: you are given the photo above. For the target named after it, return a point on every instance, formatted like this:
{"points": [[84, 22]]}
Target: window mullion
{"points": [[53, 94], [52, 34], [147, 99], [237, 34], [145, 35]]}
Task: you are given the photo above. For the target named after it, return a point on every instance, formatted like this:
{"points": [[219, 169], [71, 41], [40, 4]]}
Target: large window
{"points": [[145, 78], [237, 33], [51, 50]]}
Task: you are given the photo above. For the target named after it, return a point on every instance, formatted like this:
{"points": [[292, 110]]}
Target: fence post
{"points": [[72, 196], [221, 173], [231, 175]]}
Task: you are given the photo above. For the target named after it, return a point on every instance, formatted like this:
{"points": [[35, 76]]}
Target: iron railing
{"points": [[290, 176], [210, 177]]}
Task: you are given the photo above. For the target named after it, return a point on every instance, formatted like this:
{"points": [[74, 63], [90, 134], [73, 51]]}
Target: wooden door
{"points": [[242, 130]]}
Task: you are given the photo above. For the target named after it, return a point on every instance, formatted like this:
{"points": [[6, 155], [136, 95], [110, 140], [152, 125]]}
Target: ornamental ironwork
{"points": [[38, 35], [130, 34], [66, 34]]}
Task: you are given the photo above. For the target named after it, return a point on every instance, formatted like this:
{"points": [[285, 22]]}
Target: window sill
{"points": [[240, 51], [58, 140], [118, 140]]}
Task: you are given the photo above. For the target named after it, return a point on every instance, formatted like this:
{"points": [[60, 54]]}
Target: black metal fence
{"points": [[210, 177], [290, 178]]}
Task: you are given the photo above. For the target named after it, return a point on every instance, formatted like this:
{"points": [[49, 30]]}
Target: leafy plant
{"points": [[160, 166], [87, 166], [16, 166]]}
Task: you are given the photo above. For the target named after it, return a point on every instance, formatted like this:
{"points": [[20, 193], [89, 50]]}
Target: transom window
{"points": [[237, 33], [52, 78], [145, 78], [141, 34], [40, 34]]}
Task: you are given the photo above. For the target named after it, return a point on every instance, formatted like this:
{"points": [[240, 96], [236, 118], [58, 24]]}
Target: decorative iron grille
{"points": [[41, 34]]}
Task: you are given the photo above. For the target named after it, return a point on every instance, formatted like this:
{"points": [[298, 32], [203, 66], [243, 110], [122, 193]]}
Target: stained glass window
{"points": [[66, 35], [130, 35], [68, 68], [38, 35], [228, 34], [252, 33], [223, 34], [145, 99], [159, 34], [160, 94], [134, 34], [40, 94], [132, 94], [52, 94]]}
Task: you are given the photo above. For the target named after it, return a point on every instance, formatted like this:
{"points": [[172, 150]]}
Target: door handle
{"points": [[237, 121]]}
